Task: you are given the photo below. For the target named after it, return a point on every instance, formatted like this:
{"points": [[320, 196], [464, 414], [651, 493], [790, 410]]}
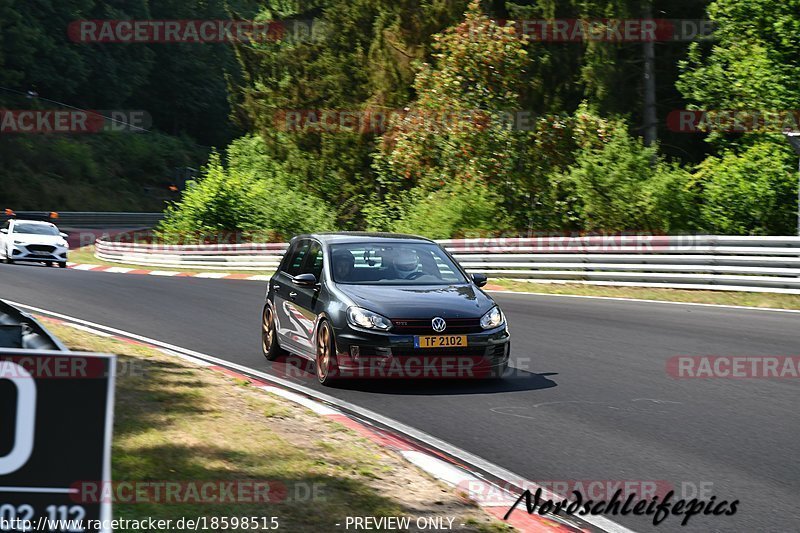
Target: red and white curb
{"points": [[166, 273], [452, 466]]}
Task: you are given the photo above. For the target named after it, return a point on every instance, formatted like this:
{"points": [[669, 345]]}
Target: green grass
{"points": [[748, 299], [176, 422], [86, 255]]}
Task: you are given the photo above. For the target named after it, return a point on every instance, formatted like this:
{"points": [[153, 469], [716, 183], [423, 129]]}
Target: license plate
{"points": [[440, 341]]}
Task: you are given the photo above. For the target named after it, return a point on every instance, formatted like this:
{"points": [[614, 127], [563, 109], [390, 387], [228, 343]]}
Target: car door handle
{"points": [[292, 295]]}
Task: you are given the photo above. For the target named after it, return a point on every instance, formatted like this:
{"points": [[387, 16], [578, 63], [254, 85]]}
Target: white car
{"points": [[32, 240]]}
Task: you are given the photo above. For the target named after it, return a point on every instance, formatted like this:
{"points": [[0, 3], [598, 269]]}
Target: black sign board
{"points": [[56, 416]]}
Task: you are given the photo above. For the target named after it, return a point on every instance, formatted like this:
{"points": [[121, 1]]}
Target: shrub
{"points": [[460, 209], [750, 192], [621, 185], [242, 199]]}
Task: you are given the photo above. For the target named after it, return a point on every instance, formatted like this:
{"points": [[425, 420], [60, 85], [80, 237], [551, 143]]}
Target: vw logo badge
{"points": [[438, 324]]}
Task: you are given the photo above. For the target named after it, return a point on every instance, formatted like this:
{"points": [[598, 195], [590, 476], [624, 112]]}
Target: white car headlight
{"points": [[363, 318], [20, 243], [493, 318]]}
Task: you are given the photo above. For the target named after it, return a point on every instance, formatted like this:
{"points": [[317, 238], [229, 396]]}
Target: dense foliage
{"points": [[481, 130], [251, 195], [183, 88], [750, 190], [108, 172]]}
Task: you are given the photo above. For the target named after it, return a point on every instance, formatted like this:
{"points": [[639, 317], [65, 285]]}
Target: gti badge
{"points": [[438, 324]]}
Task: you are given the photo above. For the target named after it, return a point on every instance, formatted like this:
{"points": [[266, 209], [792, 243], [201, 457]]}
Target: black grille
{"points": [[467, 351], [424, 327], [498, 350], [41, 248]]}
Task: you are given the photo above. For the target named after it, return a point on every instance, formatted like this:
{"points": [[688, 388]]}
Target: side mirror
{"points": [[63, 235], [305, 280], [479, 279], [4, 230]]}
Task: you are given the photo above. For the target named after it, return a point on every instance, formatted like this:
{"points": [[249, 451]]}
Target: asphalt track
{"points": [[590, 400]]}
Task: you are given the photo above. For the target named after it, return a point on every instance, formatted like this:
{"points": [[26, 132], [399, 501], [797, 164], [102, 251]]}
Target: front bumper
{"points": [[39, 252], [362, 354]]}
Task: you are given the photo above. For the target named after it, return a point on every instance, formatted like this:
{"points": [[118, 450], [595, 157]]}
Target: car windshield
{"points": [[413, 263], [35, 229]]}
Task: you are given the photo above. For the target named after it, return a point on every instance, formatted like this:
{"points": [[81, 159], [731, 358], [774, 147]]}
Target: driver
{"points": [[344, 262], [405, 262]]}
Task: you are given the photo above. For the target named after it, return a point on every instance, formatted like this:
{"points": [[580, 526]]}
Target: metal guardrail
{"points": [[711, 262], [89, 219], [201, 257]]}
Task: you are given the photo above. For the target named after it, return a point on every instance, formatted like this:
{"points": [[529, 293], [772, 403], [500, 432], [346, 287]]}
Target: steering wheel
{"points": [[415, 275]]}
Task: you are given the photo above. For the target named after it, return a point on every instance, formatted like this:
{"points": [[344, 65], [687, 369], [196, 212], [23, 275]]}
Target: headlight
{"points": [[21, 243], [62, 242], [362, 318], [493, 318]]}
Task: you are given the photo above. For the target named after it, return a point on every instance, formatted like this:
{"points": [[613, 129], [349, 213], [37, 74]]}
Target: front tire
{"points": [[62, 264], [269, 335], [326, 368]]}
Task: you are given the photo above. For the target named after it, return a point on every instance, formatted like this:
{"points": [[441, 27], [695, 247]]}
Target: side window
{"points": [[313, 263], [294, 265], [286, 260]]}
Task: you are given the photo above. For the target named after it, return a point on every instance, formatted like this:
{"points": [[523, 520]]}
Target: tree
{"points": [[358, 58], [754, 62], [250, 196], [459, 132], [749, 186], [623, 185], [751, 191]]}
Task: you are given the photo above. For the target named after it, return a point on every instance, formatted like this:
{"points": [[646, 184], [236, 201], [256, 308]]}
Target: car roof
{"points": [[37, 222], [343, 237]]}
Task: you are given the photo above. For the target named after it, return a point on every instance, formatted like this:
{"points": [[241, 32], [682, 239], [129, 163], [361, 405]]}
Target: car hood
{"points": [[447, 301], [31, 238]]}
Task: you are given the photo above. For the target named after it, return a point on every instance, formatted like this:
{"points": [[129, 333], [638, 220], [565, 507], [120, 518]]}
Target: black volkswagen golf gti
{"points": [[376, 305]]}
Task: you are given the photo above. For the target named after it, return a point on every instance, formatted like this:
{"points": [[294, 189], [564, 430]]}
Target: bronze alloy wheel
{"points": [[269, 337], [326, 364], [267, 330]]}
